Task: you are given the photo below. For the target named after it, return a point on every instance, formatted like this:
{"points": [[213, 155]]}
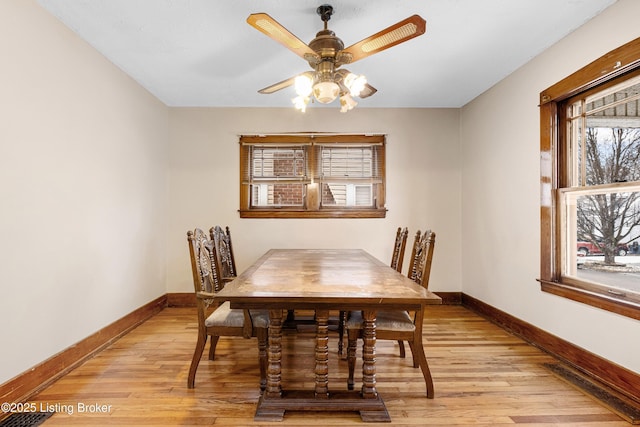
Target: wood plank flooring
{"points": [[483, 376]]}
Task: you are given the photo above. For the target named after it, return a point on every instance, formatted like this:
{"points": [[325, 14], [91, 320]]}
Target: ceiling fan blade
{"points": [[367, 91], [278, 86], [407, 29], [269, 26]]}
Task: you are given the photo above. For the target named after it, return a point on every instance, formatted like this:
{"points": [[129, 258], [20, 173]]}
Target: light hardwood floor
{"points": [[483, 377]]}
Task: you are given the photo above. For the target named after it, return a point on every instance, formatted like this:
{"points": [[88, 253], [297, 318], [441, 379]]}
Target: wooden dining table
{"points": [[323, 280]]}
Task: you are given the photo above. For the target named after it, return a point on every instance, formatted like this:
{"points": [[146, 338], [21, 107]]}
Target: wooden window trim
{"points": [[302, 213], [618, 62], [246, 211]]}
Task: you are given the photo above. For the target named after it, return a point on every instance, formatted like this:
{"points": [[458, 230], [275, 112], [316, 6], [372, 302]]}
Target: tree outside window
{"points": [[611, 221]]}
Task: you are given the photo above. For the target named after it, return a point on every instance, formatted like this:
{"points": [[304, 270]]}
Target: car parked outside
{"points": [[589, 248]]}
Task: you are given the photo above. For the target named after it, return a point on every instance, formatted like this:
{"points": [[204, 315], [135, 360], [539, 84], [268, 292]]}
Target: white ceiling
{"points": [[203, 53]]}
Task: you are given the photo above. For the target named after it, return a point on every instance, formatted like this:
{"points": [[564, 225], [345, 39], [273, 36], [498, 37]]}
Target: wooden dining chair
{"points": [[399, 246], [222, 242], [400, 325], [217, 319], [397, 259]]}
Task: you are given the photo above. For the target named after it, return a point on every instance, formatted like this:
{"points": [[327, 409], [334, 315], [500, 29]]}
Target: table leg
{"points": [[369, 355], [274, 402], [274, 369], [322, 354]]}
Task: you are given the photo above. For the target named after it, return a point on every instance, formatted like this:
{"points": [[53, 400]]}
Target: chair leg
{"points": [[416, 362], [352, 342], [212, 348], [403, 354], [263, 336], [195, 361], [418, 351]]}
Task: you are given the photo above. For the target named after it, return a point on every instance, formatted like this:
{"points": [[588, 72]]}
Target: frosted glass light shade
{"points": [[355, 83], [304, 85], [326, 92], [347, 103], [300, 103]]}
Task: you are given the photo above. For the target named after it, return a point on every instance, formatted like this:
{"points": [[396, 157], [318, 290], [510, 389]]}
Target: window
{"points": [[312, 176], [590, 182]]}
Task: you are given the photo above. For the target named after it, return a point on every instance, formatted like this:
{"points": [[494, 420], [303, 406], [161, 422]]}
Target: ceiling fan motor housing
{"points": [[326, 44]]}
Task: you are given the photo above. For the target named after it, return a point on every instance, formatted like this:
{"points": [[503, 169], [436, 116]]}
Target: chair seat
{"points": [[260, 318], [397, 320], [226, 316]]}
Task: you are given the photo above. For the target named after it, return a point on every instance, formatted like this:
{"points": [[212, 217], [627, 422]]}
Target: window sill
{"points": [[325, 213], [594, 299]]}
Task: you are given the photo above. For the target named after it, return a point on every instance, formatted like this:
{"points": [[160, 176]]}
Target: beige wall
{"points": [[83, 192], [423, 185], [500, 194]]}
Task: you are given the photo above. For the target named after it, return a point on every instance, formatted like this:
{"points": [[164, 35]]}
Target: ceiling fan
{"points": [[326, 54]]}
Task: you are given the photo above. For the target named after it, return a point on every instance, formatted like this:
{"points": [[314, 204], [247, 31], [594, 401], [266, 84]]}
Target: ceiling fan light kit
{"points": [[326, 54]]}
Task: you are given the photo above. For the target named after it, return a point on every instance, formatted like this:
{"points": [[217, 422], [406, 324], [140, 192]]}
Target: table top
{"points": [[310, 278]]}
